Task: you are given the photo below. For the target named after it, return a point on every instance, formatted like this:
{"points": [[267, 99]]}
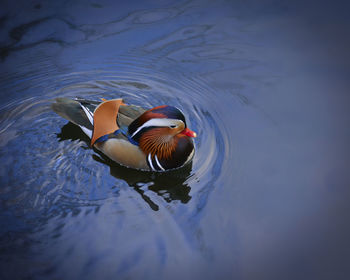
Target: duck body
{"points": [[153, 140]]}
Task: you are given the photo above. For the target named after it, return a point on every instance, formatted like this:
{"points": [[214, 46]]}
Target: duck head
{"points": [[162, 133]]}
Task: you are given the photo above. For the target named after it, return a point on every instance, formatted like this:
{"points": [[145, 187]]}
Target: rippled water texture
{"points": [[263, 83]]}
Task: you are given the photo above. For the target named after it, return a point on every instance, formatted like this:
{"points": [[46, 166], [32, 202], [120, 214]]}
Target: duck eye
{"points": [[173, 126]]}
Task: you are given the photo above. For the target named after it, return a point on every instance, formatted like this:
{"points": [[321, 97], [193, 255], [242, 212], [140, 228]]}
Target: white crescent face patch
{"points": [[159, 123]]}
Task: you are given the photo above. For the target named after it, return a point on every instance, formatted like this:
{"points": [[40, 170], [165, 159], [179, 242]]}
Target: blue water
{"points": [[265, 84]]}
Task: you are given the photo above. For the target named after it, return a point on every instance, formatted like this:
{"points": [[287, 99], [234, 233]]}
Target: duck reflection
{"points": [[169, 185]]}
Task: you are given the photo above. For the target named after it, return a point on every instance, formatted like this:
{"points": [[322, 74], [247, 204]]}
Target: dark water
{"points": [[265, 84]]}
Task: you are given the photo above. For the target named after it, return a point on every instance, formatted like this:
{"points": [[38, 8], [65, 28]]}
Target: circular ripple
{"points": [[59, 170]]}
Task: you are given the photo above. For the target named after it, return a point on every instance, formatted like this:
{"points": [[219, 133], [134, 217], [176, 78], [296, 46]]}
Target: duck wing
{"points": [[128, 113], [80, 111], [72, 111]]}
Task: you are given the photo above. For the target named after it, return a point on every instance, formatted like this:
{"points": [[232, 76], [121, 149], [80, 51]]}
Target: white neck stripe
{"points": [[149, 158], [158, 163]]}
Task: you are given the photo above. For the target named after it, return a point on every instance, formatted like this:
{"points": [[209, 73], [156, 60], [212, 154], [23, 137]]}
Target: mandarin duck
{"points": [[157, 139]]}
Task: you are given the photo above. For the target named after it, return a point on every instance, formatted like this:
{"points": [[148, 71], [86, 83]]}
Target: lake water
{"points": [[265, 84]]}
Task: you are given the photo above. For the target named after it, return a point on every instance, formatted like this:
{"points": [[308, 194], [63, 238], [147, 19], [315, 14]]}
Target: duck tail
{"points": [[77, 111]]}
